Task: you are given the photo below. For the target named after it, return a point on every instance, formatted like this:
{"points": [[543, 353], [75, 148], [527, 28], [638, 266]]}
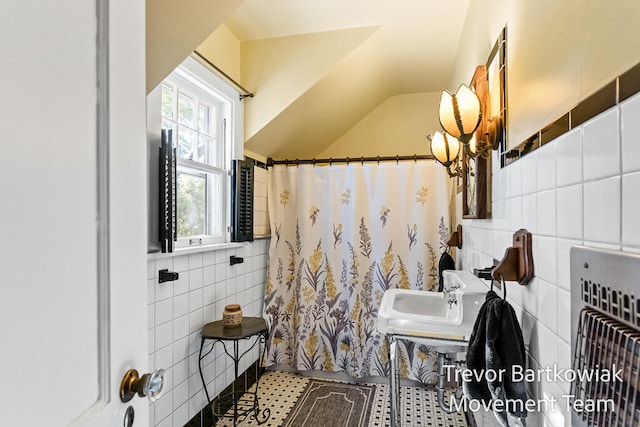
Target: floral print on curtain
{"points": [[343, 235]]}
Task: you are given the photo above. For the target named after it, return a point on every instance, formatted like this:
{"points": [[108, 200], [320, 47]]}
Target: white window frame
{"points": [[201, 79]]}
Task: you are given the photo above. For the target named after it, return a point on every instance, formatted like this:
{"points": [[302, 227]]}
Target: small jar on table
{"points": [[232, 316]]}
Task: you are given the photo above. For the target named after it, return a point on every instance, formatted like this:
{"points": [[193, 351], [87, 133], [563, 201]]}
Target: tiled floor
{"points": [[279, 391]]}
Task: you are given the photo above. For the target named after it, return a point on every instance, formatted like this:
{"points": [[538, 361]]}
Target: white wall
{"points": [[578, 189], [223, 49], [175, 29], [399, 125], [280, 70], [559, 52], [177, 312]]}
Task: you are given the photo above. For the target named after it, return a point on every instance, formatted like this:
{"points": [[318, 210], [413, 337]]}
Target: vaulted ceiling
{"points": [[317, 68]]}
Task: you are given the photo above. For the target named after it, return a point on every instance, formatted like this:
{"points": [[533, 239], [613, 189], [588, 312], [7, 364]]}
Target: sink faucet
{"points": [[454, 286], [452, 298], [451, 294]]}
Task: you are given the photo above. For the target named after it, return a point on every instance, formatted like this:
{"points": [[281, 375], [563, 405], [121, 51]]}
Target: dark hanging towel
{"points": [[496, 345], [446, 263]]}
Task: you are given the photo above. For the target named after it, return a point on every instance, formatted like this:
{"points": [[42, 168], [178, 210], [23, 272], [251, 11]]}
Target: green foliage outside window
{"points": [[191, 215]]}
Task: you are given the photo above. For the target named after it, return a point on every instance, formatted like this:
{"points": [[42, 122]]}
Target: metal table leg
{"points": [[253, 412], [266, 413], [394, 382], [200, 357]]}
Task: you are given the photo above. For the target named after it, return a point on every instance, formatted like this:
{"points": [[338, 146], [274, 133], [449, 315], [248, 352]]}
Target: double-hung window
{"points": [[200, 117]]}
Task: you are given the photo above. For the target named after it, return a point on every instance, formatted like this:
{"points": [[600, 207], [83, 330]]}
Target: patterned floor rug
{"points": [[326, 403], [280, 391]]}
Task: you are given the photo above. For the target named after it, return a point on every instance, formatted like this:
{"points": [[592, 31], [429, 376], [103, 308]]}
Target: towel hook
{"points": [[456, 238], [503, 285], [517, 263]]}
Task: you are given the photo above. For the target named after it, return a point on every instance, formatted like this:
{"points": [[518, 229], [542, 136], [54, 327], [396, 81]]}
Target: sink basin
{"points": [[429, 317], [408, 306]]}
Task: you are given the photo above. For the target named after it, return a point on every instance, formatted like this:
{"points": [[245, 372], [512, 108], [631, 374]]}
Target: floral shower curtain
{"points": [[341, 236]]}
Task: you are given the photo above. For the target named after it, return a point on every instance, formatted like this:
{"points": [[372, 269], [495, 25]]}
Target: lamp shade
{"points": [[444, 148], [472, 147], [460, 113]]}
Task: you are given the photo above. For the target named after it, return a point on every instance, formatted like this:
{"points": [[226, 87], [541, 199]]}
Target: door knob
{"points": [[149, 385]]}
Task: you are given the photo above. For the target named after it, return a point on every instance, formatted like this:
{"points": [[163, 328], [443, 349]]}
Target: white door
{"points": [[72, 211]]}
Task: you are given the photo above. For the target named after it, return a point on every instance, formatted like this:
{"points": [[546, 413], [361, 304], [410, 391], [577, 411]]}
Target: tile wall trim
{"points": [[610, 95]]}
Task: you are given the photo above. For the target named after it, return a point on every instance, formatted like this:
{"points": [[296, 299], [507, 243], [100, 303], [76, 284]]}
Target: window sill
{"points": [[203, 248], [195, 250]]}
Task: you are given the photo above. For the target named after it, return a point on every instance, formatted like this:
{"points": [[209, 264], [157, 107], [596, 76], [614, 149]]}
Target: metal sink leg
{"points": [[394, 382]]}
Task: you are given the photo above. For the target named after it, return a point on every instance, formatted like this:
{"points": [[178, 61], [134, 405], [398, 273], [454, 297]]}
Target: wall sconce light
{"points": [[445, 148], [463, 116], [460, 113]]}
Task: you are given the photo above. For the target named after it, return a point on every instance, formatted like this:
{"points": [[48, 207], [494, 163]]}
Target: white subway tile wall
{"points": [[630, 128], [531, 174], [569, 158], [601, 146], [260, 208], [546, 167], [578, 189], [631, 208], [177, 312]]}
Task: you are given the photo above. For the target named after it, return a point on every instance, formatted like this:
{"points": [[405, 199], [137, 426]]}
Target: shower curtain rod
{"points": [[347, 160], [244, 92]]}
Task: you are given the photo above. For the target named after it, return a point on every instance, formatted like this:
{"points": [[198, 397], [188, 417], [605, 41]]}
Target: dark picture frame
{"points": [[497, 99], [489, 83]]}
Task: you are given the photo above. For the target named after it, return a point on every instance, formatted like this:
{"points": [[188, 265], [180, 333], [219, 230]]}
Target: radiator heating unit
{"points": [[605, 337]]}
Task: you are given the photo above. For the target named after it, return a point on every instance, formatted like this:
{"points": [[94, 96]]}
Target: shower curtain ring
{"points": [[415, 158], [397, 159], [330, 160], [347, 161], [314, 162], [362, 160], [297, 162], [286, 163], [378, 160]]}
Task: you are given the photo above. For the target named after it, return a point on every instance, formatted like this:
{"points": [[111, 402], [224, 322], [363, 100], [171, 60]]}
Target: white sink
{"points": [[433, 318]]}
